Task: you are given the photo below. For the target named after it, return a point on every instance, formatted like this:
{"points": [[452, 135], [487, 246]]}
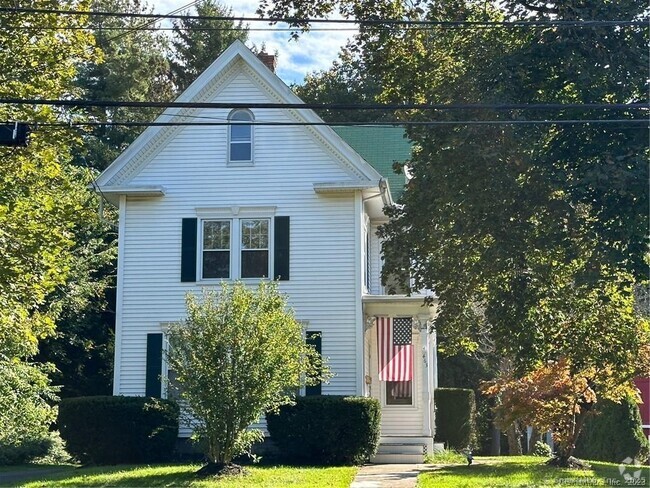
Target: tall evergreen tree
{"points": [[198, 42], [134, 67]]}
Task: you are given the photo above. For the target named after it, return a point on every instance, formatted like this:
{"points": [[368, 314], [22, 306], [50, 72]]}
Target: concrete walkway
{"points": [[15, 478], [389, 475]]}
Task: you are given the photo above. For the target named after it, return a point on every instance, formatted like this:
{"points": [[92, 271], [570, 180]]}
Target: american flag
{"points": [[395, 348]]}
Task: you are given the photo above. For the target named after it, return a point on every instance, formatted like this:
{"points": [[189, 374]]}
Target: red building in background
{"points": [[643, 384]]}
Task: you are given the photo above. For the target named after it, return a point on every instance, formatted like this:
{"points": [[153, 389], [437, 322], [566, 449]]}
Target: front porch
{"points": [[408, 410]]}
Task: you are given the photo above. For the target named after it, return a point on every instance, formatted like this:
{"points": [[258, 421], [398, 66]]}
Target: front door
{"points": [[392, 355]]}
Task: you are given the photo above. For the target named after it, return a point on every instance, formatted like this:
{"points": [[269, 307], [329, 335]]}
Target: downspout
{"points": [[385, 194]]}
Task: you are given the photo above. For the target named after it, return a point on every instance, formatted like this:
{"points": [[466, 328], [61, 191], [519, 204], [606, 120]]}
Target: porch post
{"points": [[427, 376]]}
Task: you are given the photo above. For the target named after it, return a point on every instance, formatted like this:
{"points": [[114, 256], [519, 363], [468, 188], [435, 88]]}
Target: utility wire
{"points": [[327, 106], [198, 29], [145, 25], [301, 21], [430, 123]]}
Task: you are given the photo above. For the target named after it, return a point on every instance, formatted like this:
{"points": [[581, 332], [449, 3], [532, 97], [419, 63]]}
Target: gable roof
{"points": [[117, 176], [381, 146]]}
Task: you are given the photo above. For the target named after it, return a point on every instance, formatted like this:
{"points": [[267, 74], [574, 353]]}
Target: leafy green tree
{"points": [[81, 346], [239, 354], [198, 42], [348, 81], [132, 66], [43, 202], [543, 228]]}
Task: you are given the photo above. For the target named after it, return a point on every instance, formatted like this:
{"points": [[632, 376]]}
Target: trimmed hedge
{"points": [[327, 429], [119, 429], [613, 433], [456, 417]]}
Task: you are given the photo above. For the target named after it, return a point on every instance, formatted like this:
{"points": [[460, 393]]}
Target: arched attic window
{"points": [[240, 136]]}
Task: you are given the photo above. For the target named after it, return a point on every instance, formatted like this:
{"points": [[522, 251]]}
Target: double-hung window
{"points": [[216, 249], [230, 243], [254, 248], [236, 248], [240, 144]]}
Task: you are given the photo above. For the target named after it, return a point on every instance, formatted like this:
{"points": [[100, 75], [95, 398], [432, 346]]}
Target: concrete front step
{"points": [[397, 458], [401, 451], [402, 448]]}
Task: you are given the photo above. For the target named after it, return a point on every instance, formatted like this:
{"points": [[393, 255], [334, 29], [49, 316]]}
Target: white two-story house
{"points": [[269, 193]]}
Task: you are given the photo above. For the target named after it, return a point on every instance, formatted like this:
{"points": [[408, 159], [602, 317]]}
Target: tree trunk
{"points": [[514, 443], [495, 444], [534, 437]]}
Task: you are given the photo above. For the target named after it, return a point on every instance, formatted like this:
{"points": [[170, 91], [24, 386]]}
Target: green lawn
{"points": [[520, 471], [447, 456], [183, 475]]}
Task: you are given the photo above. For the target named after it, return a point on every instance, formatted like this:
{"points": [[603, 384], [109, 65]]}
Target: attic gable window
{"points": [[240, 137]]}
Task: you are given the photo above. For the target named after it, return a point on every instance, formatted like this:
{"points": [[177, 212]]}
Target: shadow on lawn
{"points": [[103, 476], [514, 473]]}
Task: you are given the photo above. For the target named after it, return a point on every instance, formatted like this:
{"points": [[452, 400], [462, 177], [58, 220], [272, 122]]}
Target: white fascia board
{"points": [[343, 186], [419, 299], [113, 193]]}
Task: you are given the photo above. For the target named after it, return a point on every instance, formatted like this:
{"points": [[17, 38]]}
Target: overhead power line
{"points": [[131, 30], [430, 123], [328, 106], [305, 21], [146, 24]]}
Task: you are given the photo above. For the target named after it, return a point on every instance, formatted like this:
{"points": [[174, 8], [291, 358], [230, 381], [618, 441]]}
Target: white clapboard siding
{"points": [[192, 168]]}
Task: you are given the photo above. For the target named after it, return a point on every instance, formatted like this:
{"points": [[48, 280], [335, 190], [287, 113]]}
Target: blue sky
{"points": [[313, 51]]}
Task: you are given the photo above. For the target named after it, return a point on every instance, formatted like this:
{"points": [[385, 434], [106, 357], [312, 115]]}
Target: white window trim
{"points": [[164, 390], [230, 249], [240, 248], [235, 214], [252, 141], [305, 328], [164, 372], [366, 256]]}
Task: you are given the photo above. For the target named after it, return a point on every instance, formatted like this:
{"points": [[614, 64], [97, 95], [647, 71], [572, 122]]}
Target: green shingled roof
{"points": [[381, 147]]}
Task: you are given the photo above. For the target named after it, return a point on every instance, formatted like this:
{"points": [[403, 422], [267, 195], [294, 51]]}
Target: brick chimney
{"points": [[269, 60]]}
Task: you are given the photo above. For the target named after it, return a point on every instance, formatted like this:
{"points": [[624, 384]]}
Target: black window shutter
{"points": [[154, 365], [281, 249], [188, 250], [314, 338]]}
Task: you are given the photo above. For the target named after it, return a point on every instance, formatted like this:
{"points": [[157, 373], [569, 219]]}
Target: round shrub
{"points": [[456, 417], [24, 451], [119, 429], [327, 429], [542, 449], [613, 433]]}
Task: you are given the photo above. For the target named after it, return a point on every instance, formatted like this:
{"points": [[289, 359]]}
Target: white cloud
{"points": [[311, 52]]}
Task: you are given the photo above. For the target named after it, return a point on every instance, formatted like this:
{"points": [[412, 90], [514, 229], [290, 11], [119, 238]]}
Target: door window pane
{"points": [[399, 393]]}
